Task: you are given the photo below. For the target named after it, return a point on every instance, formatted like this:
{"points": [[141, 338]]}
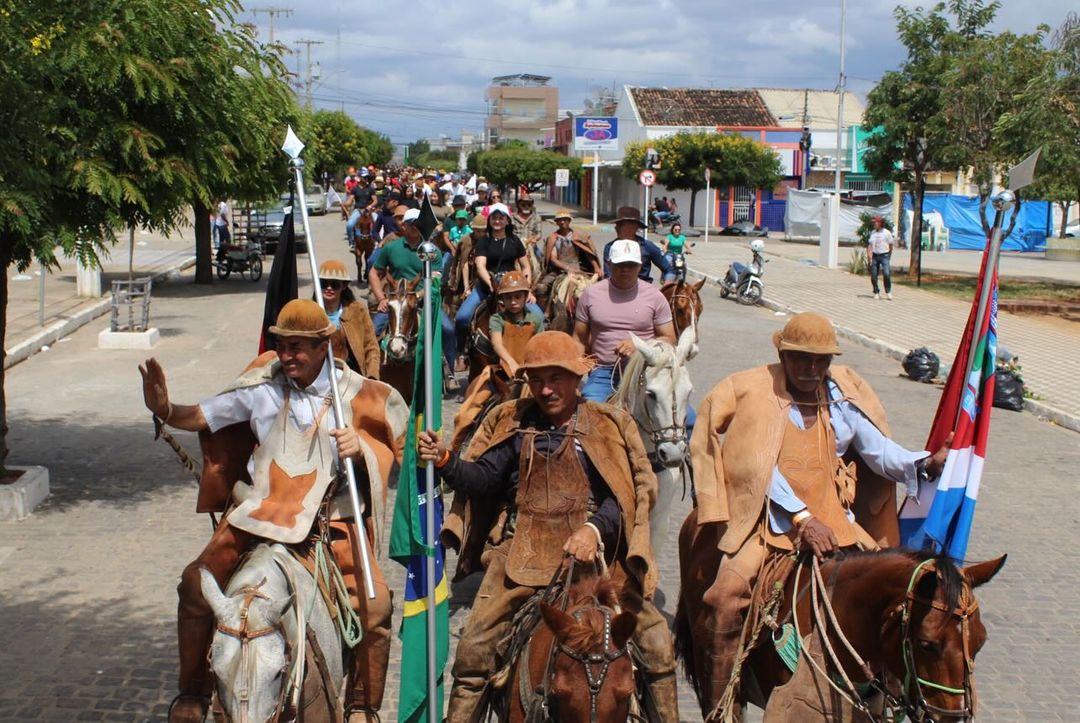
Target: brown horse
{"points": [[901, 627], [398, 342], [686, 307], [365, 245], [576, 664], [565, 292]]}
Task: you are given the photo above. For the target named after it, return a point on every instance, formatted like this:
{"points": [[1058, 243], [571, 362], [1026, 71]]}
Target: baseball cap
{"points": [[462, 214], [499, 208], [482, 187], [625, 251], [414, 213], [459, 200]]}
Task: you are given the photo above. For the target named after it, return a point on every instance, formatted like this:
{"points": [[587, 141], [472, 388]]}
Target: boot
{"points": [[193, 635], [664, 698], [367, 679]]}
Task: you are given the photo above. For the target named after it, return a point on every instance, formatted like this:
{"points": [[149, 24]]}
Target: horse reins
{"points": [[596, 665]]}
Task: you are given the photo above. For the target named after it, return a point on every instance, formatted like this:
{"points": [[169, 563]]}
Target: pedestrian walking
{"points": [[878, 253]]}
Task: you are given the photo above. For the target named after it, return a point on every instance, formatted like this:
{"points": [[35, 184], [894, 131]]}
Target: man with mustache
{"points": [[793, 455], [544, 477]]}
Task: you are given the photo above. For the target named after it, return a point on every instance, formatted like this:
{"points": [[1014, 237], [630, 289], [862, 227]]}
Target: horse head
{"points": [[686, 307], [931, 637], [403, 321], [248, 655], [590, 674], [659, 397]]}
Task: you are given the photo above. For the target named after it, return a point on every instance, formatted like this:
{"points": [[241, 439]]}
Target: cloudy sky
{"points": [[420, 68]]}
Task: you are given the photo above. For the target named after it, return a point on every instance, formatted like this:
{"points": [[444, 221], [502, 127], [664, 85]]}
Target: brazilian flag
{"points": [[409, 546]]}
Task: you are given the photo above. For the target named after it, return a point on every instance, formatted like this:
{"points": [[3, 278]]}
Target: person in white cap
{"points": [[609, 311]]}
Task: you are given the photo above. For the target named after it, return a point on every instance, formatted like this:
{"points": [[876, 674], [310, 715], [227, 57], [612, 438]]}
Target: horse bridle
{"points": [[400, 322], [245, 635], [596, 665], [692, 301], [673, 433], [916, 704]]}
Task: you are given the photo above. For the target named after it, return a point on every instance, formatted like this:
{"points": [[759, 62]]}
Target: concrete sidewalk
{"points": [[1048, 348], [64, 312]]}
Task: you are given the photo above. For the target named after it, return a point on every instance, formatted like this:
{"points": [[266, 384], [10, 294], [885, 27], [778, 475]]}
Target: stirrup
{"points": [[370, 714], [202, 700]]}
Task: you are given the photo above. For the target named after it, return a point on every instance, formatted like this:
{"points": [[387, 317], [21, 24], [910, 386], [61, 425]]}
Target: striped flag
{"points": [[942, 518], [409, 546]]}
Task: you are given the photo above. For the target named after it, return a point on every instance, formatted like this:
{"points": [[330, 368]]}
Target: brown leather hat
{"points": [[808, 332], [555, 349], [334, 269], [303, 317], [629, 213], [512, 281]]}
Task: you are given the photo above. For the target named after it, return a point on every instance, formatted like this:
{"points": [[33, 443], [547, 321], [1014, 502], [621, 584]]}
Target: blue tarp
{"points": [[961, 215]]}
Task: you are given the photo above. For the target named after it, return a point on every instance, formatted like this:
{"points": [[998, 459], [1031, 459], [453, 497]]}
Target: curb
{"points": [[1042, 410], [59, 329]]}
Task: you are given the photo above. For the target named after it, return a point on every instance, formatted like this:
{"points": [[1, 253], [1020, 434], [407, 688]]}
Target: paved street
{"points": [[87, 594]]}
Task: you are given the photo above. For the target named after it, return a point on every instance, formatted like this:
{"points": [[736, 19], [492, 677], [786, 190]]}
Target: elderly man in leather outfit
{"points": [[790, 455], [529, 452], [276, 417]]}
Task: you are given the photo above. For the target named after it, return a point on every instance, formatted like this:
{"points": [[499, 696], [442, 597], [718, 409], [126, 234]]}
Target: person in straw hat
{"points": [[550, 446], [774, 456], [355, 340], [565, 251], [276, 417]]}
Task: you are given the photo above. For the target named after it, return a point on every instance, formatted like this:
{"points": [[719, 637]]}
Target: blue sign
{"points": [[596, 133]]}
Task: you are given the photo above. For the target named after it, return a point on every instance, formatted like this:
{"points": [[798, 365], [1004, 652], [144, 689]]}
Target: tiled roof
{"points": [[701, 107]]}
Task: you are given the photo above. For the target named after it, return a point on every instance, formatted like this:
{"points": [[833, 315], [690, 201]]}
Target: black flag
{"points": [[282, 285], [428, 222]]}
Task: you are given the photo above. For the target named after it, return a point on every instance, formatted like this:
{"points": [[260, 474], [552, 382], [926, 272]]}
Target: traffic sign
{"points": [[562, 177], [646, 178]]}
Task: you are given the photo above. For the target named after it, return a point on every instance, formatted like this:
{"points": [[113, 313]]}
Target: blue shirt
{"points": [[650, 254], [853, 430]]}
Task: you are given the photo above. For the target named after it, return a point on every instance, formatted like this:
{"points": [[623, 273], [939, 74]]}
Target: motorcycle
{"points": [[744, 281], [655, 222], [678, 266], [240, 258]]}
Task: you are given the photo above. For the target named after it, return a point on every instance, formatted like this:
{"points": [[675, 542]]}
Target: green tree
{"points": [[122, 112], [733, 160], [418, 148], [513, 166], [334, 141], [1047, 114]]}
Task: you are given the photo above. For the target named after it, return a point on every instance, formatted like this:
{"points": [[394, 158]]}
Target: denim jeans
{"points": [[350, 226], [449, 343], [881, 261], [468, 308], [601, 383]]}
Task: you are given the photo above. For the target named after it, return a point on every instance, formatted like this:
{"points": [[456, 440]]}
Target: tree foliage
{"points": [[1047, 115], [514, 166], [334, 141], [122, 112], [733, 160]]}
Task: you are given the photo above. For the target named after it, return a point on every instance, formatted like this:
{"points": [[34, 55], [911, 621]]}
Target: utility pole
{"points": [[272, 12], [840, 95], [805, 141], [307, 70]]}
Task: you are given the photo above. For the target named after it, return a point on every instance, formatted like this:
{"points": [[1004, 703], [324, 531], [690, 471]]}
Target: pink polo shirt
{"points": [[612, 314]]}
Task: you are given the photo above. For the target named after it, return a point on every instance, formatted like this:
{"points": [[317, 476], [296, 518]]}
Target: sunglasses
{"points": [[333, 284]]}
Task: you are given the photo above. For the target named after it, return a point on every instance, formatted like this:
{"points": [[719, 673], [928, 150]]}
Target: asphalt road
{"points": [[87, 601]]}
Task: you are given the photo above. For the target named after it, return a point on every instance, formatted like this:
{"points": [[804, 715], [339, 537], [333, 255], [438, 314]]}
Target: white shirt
{"points": [[223, 215], [881, 242], [259, 405], [852, 429]]}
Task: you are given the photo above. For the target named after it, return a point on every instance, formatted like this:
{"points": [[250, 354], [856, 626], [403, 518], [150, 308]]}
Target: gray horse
{"points": [[260, 654]]}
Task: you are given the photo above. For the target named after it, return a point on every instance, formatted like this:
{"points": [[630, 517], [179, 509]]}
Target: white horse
{"points": [[655, 389], [260, 655]]}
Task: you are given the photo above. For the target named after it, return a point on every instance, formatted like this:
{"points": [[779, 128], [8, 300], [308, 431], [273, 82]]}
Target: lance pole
{"points": [[428, 253], [335, 394]]}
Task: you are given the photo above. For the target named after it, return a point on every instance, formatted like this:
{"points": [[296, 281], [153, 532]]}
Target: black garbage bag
{"points": [[1008, 390], [921, 364]]}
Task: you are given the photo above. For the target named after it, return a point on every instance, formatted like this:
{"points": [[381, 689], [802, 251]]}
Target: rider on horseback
{"points": [[270, 427], [513, 325], [354, 341], [775, 463], [627, 223], [545, 477], [566, 251]]}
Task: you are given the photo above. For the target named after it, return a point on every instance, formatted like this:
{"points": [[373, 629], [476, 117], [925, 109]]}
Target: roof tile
{"points": [[701, 107]]}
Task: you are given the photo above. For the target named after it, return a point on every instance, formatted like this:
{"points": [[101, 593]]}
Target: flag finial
{"points": [[292, 145]]}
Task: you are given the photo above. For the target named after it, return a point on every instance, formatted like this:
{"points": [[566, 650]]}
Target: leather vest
{"points": [[567, 251], [515, 337], [809, 463], [552, 503]]}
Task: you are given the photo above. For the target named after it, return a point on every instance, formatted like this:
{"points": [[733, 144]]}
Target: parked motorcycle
{"points": [[655, 222], [240, 258], [744, 281]]}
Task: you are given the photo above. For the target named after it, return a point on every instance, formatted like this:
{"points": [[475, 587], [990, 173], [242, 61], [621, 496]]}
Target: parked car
{"points": [[744, 228], [1072, 230], [266, 227], [315, 197]]}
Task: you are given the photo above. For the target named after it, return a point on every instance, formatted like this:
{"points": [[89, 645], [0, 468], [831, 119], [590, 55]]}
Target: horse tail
{"points": [[684, 644]]}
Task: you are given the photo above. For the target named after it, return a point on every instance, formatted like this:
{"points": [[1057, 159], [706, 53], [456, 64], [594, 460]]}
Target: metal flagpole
{"points": [[428, 253], [350, 472], [645, 231]]}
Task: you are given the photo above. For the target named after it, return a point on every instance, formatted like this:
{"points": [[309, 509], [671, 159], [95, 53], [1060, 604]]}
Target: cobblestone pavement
{"points": [[1049, 348], [87, 583]]}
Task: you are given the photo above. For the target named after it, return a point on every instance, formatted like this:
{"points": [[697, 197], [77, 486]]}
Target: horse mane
{"points": [[634, 366], [589, 593], [949, 577]]}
